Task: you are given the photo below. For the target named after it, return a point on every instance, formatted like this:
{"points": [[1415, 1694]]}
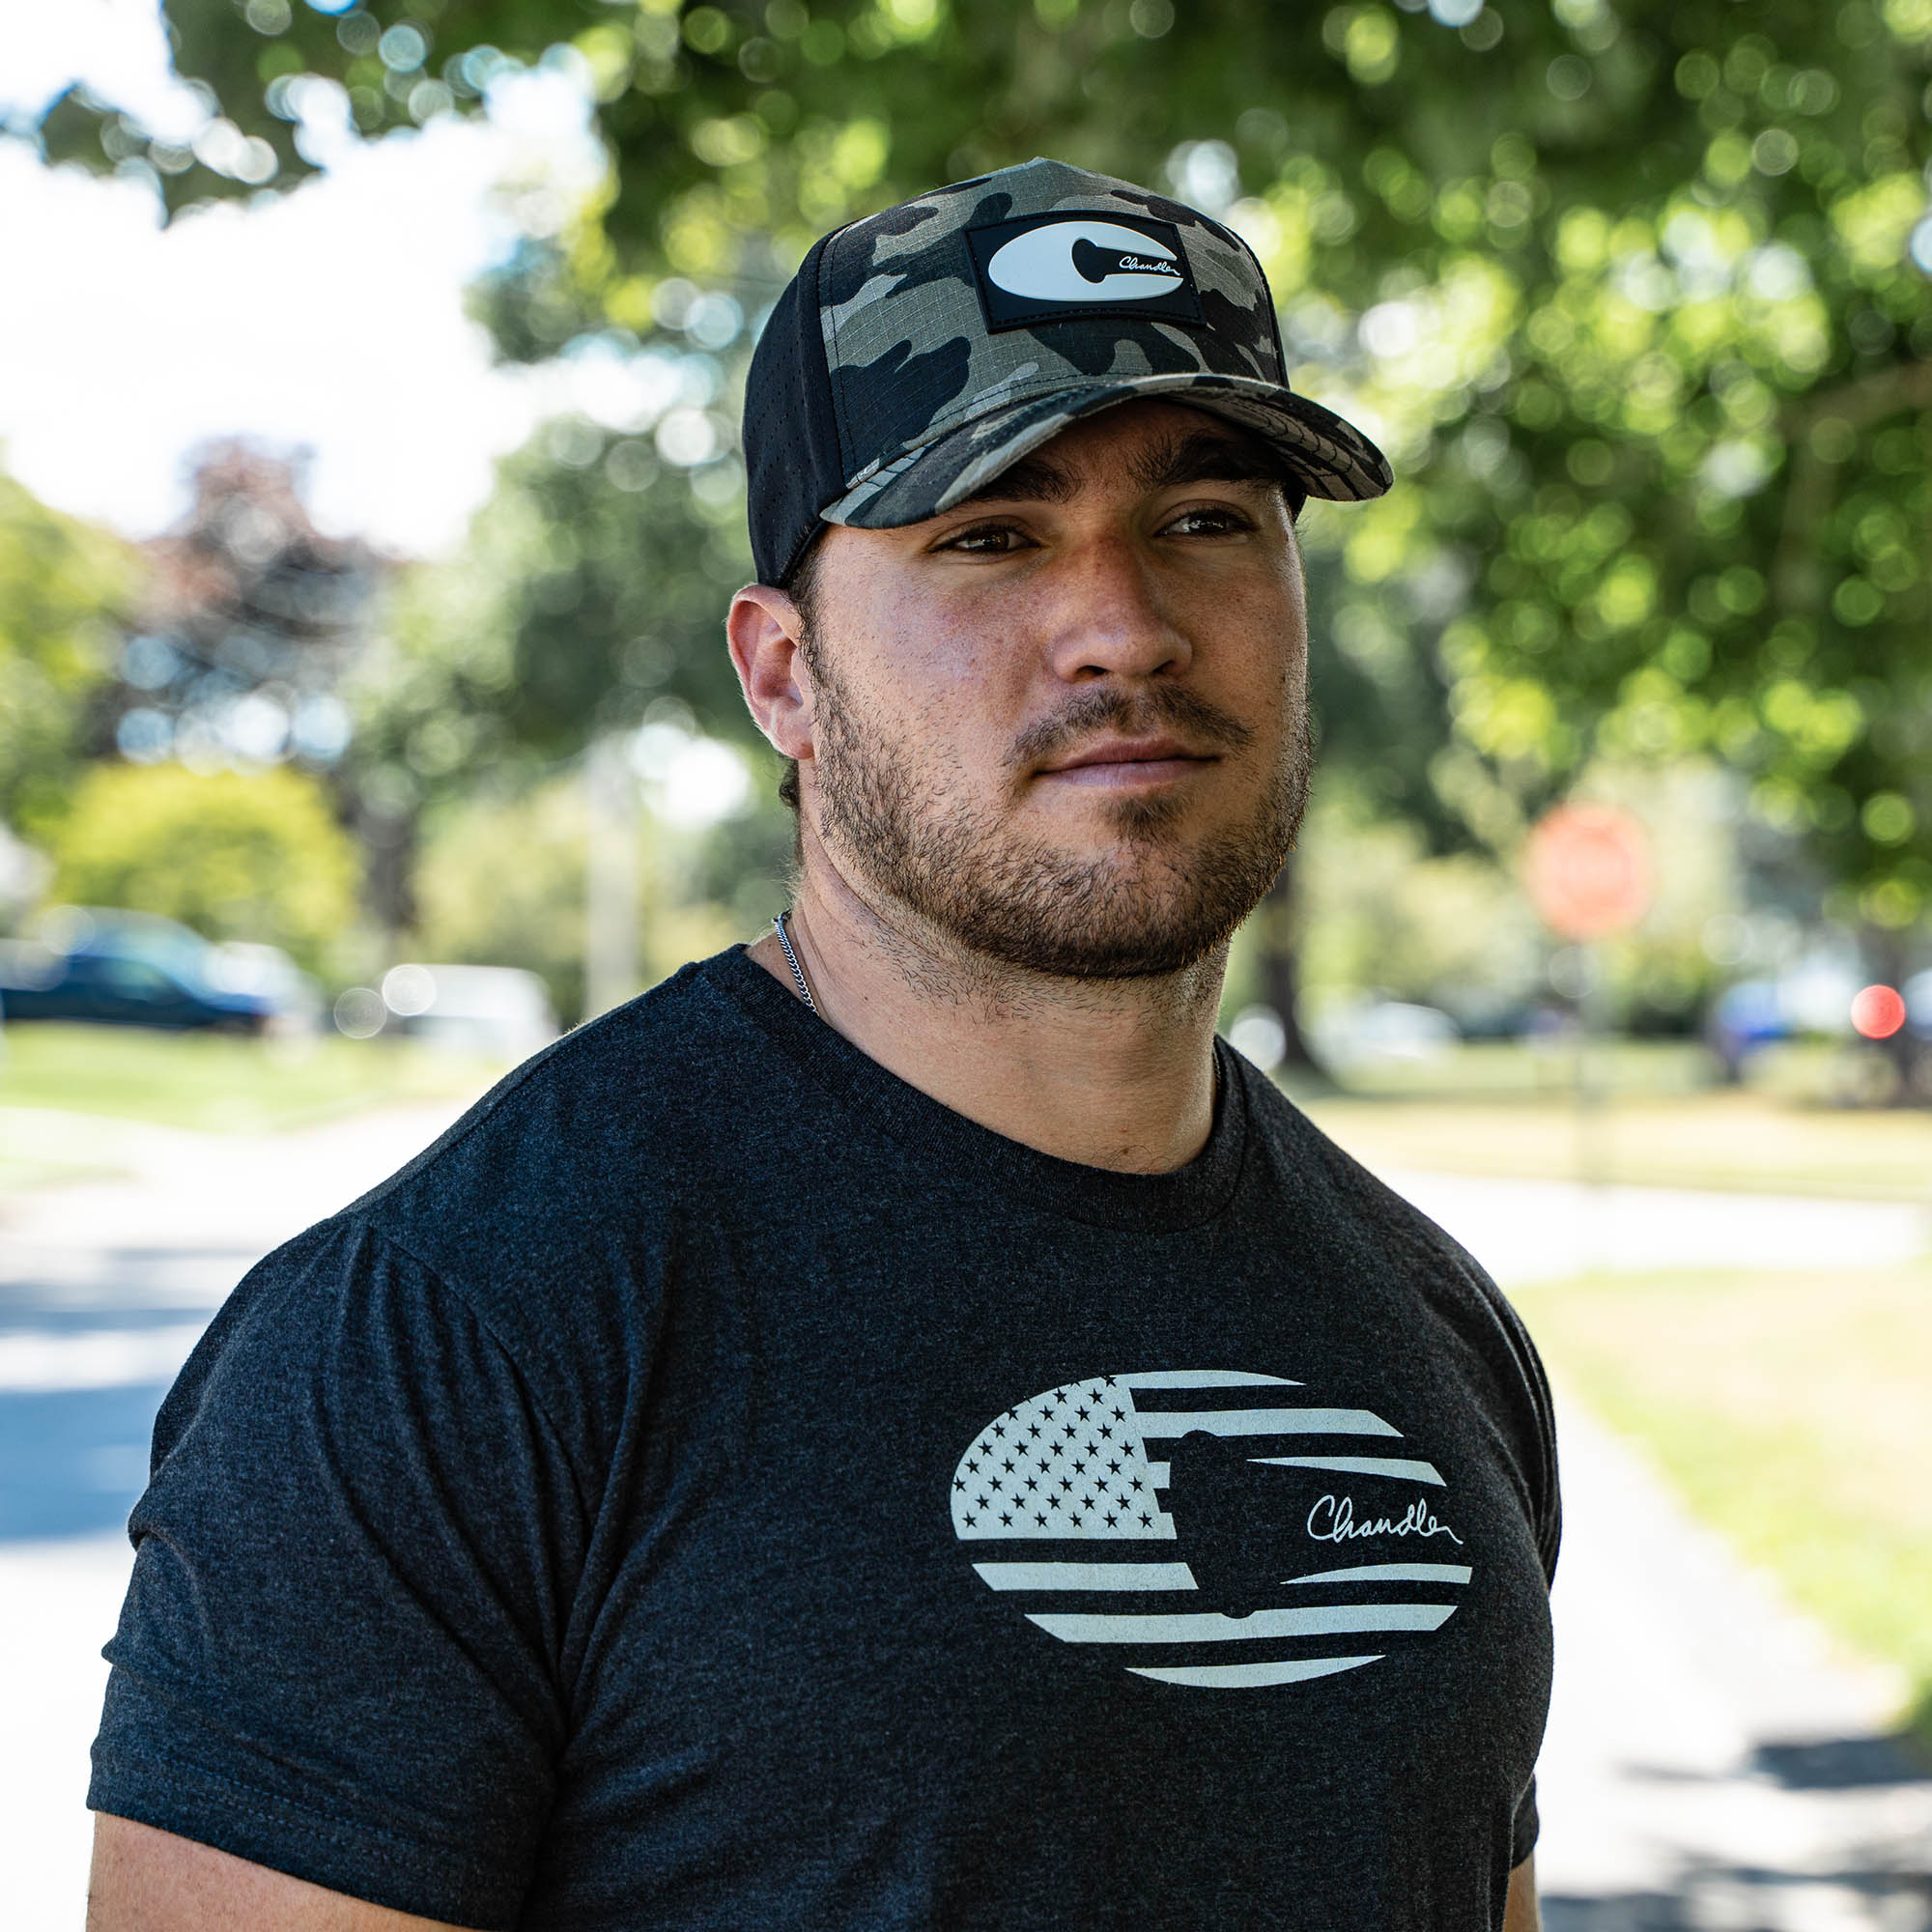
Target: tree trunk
{"points": [[387, 836], [1281, 975], [610, 974]]}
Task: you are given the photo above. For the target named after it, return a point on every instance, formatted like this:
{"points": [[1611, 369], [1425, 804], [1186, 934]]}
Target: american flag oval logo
{"points": [[1288, 1541]]}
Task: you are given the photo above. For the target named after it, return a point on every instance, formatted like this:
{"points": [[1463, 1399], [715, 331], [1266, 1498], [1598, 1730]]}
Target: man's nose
{"points": [[1108, 615]]}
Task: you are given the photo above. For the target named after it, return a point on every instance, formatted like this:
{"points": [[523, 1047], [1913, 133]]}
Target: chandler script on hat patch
{"points": [[1054, 268]]}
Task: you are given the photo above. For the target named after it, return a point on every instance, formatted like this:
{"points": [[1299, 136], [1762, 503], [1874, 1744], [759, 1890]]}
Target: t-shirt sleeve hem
{"points": [[1526, 1828], [380, 1868]]}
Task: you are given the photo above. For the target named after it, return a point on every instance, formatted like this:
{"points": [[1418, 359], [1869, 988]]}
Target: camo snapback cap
{"points": [[918, 352]]}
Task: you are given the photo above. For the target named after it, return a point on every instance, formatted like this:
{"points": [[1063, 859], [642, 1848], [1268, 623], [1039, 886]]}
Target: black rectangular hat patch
{"points": [[1066, 265]]}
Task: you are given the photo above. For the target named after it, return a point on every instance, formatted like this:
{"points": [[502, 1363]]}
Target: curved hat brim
{"points": [[1331, 457]]}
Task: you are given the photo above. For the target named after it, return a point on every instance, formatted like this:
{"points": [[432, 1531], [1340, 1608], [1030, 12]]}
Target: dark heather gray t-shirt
{"points": [[718, 1487]]}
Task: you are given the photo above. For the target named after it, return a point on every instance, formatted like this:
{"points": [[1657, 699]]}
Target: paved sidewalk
{"points": [[1710, 1762], [1547, 1230], [105, 1287], [58, 1602]]}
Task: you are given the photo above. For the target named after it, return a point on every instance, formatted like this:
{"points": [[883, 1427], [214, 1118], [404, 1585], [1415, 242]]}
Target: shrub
{"points": [[236, 855]]}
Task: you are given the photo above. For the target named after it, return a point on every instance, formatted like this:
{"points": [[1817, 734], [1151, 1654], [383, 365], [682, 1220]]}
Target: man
{"points": [[897, 1428]]}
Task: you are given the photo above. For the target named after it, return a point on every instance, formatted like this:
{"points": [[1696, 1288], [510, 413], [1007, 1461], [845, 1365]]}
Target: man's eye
{"points": [[1210, 523], [985, 540]]}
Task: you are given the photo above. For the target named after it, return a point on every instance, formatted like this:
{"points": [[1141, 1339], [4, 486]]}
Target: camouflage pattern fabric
{"points": [[931, 404]]}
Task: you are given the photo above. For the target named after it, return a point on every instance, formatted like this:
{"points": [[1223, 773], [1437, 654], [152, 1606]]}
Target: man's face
{"points": [[1065, 723]]}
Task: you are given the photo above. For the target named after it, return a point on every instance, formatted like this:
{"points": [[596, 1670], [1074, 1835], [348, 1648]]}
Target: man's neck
{"points": [[1115, 1073]]}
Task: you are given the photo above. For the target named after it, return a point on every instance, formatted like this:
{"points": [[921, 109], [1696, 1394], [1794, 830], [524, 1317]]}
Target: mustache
{"points": [[1136, 714]]}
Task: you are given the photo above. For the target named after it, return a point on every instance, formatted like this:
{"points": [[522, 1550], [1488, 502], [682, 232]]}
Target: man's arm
{"points": [[150, 1880], [337, 1658], [1519, 1914]]}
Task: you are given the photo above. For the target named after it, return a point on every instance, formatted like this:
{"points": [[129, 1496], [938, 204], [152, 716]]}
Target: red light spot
{"points": [[1878, 1012]]}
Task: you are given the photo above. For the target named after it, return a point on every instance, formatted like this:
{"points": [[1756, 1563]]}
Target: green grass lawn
{"points": [[1516, 1070], [1794, 1413], [1727, 1137], [221, 1083]]}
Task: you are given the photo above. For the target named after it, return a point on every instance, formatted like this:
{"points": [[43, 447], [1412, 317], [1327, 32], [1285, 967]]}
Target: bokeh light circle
{"points": [[409, 990], [1878, 1012], [359, 1013]]}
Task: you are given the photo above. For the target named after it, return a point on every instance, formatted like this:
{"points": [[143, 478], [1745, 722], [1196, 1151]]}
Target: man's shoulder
{"points": [[600, 1130], [532, 1239], [1363, 1202]]}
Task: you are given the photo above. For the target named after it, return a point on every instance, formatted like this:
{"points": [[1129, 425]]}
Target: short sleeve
{"points": [[1548, 1521], [1546, 1486], [1523, 1830], [1548, 1509], [338, 1654]]}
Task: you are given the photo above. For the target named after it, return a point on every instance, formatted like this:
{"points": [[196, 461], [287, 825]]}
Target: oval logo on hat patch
{"points": [[1066, 267], [1082, 261]]}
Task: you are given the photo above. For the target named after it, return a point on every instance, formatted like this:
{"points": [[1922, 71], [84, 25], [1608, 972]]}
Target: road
{"points": [[1711, 1762]]}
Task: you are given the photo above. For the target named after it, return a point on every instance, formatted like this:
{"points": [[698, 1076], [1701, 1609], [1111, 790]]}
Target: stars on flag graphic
{"points": [[1091, 1461], [1070, 1462]]}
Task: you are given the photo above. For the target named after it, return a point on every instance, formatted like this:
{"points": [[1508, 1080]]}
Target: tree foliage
{"points": [[502, 882], [64, 588], [590, 590], [247, 620], [1635, 293]]}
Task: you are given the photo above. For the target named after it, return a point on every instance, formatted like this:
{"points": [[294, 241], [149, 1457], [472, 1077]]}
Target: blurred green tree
{"points": [[256, 856], [501, 882], [248, 621], [1382, 915], [616, 561], [1636, 294], [587, 597], [65, 590], [591, 587]]}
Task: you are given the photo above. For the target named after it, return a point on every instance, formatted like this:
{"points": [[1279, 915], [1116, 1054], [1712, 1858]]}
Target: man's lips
{"points": [[1117, 761]]}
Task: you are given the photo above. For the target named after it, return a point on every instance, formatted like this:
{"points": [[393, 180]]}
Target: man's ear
{"points": [[764, 628]]}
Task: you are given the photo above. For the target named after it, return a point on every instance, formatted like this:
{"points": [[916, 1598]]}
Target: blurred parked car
{"points": [[1361, 1033], [1813, 998], [500, 1011], [1917, 991], [1744, 1017], [133, 969]]}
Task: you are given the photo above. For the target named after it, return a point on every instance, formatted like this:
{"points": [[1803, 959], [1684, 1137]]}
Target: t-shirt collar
{"points": [[931, 1132]]}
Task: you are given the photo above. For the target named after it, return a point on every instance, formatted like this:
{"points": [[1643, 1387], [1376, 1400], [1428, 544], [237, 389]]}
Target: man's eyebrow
{"points": [[1033, 479], [1204, 457]]}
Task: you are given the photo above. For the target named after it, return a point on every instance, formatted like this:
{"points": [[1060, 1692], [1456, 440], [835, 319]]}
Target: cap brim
{"points": [[1332, 458]]}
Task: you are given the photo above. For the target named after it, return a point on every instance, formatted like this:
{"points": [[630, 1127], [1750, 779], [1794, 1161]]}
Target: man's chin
{"points": [[1134, 882], [1127, 908], [1093, 824]]}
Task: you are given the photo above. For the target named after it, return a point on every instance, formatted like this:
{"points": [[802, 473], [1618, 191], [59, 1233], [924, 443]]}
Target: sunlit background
{"points": [[369, 500]]}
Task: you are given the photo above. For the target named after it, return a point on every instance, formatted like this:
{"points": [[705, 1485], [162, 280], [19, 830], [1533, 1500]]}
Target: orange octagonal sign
{"points": [[1587, 868]]}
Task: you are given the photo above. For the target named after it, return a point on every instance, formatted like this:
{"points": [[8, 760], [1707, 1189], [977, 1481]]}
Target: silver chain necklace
{"points": [[791, 959]]}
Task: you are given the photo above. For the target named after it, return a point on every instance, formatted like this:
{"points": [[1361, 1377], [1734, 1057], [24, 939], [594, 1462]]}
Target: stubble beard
{"points": [[1155, 904]]}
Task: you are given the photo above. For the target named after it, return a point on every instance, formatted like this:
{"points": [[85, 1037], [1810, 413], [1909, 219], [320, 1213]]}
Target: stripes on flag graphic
{"points": [[1093, 1462]]}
